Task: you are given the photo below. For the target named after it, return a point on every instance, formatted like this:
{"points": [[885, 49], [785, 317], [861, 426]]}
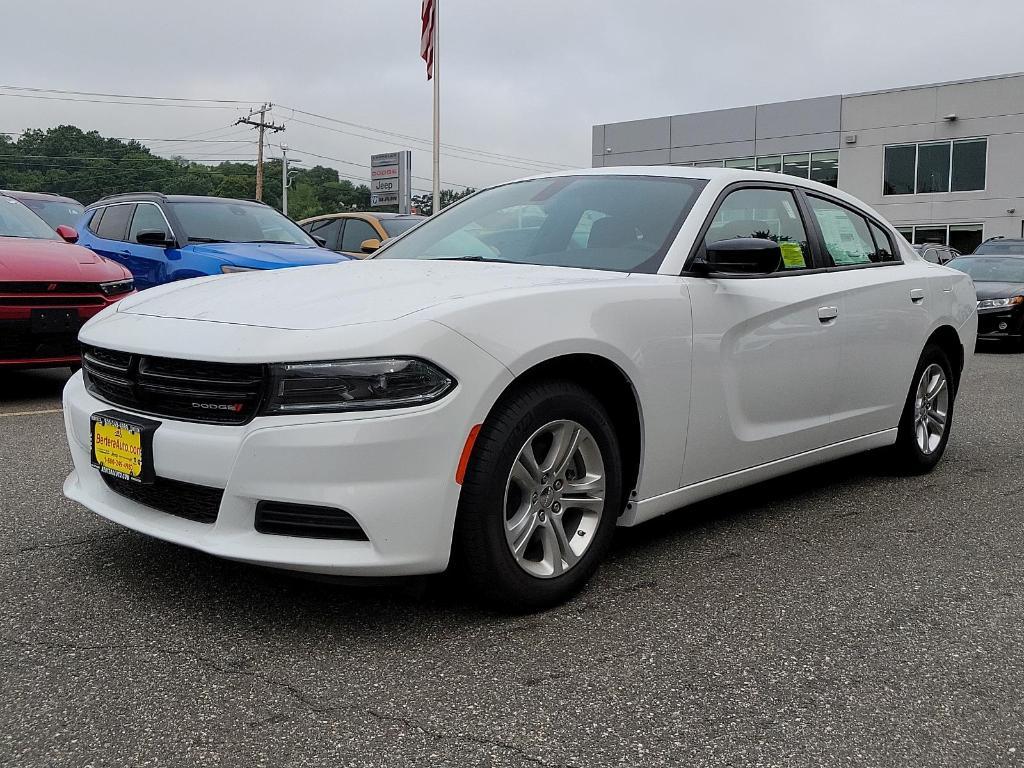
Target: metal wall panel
{"points": [[720, 126], [637, 135], [796, 118]]}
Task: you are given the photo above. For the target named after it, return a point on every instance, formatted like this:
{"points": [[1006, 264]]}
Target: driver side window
{"points": [[770, 214]]}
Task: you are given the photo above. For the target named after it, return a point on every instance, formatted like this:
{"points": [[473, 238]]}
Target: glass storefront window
{"points": [[796, 165], [771, 163], [965, 237], [825, 168], [743, 163]]}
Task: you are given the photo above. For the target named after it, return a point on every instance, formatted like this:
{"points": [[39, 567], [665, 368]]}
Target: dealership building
{"points": [[942, 162]]}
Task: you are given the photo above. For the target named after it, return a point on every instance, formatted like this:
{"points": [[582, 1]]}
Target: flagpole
{"points": [[437, 111]]}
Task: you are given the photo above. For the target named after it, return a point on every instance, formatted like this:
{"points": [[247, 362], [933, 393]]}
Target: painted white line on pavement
{"points": [[30, 413]]}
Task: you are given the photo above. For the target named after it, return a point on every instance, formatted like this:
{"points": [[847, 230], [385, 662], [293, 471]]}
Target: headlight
{"points": [[227, 269], [118, 286], [997, 303], [355, 385]]}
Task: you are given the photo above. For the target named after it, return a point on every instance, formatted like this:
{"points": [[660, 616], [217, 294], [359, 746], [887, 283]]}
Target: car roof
{"points": [[19, 195], [991, 255], [133, 197], [363, 214]]}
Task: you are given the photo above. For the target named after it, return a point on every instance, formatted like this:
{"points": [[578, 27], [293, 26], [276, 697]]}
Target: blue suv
{"points": [[161, 238]]}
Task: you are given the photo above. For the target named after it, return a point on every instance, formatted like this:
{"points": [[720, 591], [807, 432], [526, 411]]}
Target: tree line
{"points": [[86, 166]]}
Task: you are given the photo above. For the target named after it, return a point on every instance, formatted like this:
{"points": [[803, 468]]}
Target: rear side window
{"points": [[884, 250], [770, 214], [115, 220], [93, 224], [328, 229], [847, 236]]}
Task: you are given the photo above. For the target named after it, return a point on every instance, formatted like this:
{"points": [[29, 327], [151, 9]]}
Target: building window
{"points": [[825, 168], [709, 164], [935, 166], [963, 237], [969, 165], [743, 163], [796, 165], [899, 170], [772, 164]]}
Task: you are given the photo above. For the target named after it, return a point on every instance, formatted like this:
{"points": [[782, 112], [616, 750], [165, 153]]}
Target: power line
{"points": [[399, 144], [363, 165], [406, 137], [122, 95], [109, 101]]}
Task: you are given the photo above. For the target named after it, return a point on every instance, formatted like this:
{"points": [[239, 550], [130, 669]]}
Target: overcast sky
{"points": [[526, 78]]}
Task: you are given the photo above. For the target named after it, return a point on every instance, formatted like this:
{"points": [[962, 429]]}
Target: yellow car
{"points": [[358, 234]]}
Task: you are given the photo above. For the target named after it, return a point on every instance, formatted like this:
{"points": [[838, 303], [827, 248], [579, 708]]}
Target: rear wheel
{"points": [[927, 414], [540, 498]]}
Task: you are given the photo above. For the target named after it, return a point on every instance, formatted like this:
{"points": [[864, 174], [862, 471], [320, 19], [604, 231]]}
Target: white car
{"points": [[503, 385]]}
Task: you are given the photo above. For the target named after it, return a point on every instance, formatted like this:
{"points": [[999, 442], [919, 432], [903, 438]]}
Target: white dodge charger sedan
{"points": [[502, 386]]}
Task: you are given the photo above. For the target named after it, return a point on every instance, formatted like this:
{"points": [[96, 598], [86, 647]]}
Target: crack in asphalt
{"points": [[302, 697]]}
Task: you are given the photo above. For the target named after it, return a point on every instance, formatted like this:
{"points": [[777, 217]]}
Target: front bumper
{"points": [[1000, 323], [393, 471]]}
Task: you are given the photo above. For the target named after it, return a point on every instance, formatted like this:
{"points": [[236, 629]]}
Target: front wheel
{"points": [[540, 498], [927, 414]]}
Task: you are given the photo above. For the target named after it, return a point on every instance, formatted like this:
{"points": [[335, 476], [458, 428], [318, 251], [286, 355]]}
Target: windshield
{"points": [[55, 212], [18, 221], [619, 223], [1001, 246], [234, 222], [395, 227], [991, 269]]}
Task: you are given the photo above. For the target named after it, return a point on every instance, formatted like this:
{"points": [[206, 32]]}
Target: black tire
{"points": [[908, 456], [482, 553]]}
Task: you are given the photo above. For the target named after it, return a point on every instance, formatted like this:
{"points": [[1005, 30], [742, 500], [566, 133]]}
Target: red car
{"points": [[48, 288]]}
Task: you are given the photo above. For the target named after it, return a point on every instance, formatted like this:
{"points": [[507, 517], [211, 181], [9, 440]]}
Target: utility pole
{"points": [[284, 179], [262, 125]]}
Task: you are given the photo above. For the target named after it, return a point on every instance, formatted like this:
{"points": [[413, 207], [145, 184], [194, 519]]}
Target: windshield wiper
{"points": [[207, 240], [273, 242]]}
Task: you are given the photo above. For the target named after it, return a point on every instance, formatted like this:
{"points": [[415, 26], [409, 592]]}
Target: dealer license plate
{"points": [[122, 446]]}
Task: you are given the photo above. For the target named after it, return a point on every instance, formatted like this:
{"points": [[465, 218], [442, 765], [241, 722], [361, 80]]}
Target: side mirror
{"points": [[369, 246], [156, 237], [68, 234], [744, 256]]}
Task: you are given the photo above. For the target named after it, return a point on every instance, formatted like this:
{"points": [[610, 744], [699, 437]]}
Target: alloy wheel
{"points": [[931, 408], [554, 498]]}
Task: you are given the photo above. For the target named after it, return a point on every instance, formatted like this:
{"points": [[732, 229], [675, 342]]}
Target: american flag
{"points": [[427, 36]]}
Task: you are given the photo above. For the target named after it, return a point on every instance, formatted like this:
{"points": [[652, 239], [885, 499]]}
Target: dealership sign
{"points": [[390, 180]]}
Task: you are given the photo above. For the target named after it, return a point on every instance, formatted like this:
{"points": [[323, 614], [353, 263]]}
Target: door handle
{"points": [[828, 314], [917, 295]]}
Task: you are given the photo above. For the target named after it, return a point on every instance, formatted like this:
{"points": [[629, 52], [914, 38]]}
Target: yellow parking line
{"points": [[30, 413]]}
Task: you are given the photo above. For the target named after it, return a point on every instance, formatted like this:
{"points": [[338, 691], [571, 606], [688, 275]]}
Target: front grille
{"points": [[281, 519], [197, 503], [18, 342], [189, 390], [51, 300], [44, 288]]}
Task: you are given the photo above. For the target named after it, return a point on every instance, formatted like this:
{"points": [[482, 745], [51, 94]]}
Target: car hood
{"points": [[343, 294], [996, 290], [22, 259], [268, 255]]}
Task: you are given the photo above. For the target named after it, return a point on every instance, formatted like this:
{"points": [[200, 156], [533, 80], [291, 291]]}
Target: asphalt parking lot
{"points": [[841, 616]]}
